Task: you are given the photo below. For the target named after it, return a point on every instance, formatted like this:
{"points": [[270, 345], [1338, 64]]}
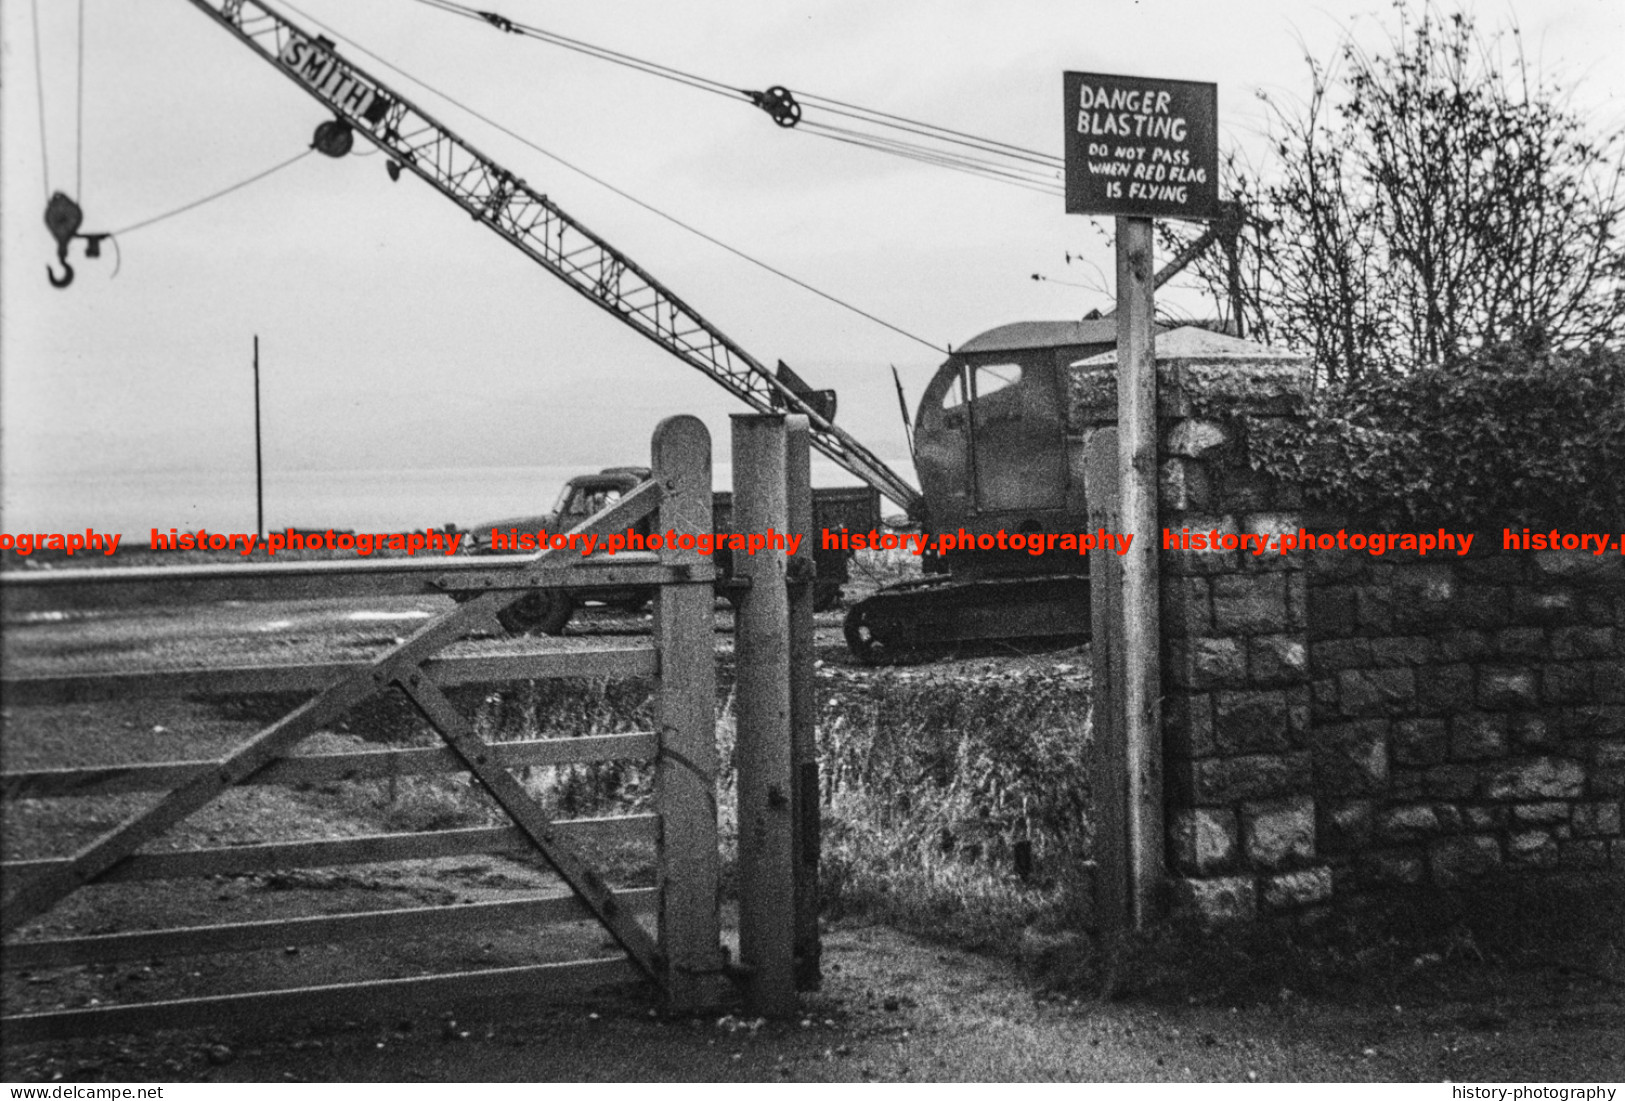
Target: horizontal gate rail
{"points": [[362, 998], [447, 672], [132, 586], [683, 954], [317, 768], [376, 848], [249, 936]]}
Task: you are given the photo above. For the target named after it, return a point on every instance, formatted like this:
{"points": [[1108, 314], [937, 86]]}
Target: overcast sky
{"points": [[398, 338]]}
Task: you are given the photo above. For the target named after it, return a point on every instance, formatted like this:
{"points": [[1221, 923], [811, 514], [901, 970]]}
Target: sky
{"points": [[415, 369]]}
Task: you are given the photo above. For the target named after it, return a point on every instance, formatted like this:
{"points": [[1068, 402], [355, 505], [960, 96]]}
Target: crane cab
{"points": [[994, 446]]}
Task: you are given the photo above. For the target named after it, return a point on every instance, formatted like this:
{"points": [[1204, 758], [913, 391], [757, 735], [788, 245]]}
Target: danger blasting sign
{"points": [[1141, 148]]}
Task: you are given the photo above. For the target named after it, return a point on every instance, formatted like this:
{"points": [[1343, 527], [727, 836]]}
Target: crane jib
{"points": [[526, 219], [332, 80]]}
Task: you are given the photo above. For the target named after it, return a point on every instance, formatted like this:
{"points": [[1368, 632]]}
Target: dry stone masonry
{"points": [[1337, 722]]}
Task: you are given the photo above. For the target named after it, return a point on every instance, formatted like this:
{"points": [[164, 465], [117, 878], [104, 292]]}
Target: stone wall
{"points": [[1337, 722], [1468, 712]]}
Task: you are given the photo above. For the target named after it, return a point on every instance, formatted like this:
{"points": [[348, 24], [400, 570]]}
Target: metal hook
{"points": [[67, 271]]}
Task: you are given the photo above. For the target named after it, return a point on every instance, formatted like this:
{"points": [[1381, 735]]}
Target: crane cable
{"points": [[673, 219], [1025, 158], [39, 84]]}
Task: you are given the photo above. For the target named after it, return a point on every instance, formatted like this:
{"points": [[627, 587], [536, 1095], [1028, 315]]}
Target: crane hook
{"points": [[63, 218], [67, 270]]}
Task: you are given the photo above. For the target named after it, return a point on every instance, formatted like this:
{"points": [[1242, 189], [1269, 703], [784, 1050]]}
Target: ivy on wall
{"points": [[1506, 439]]}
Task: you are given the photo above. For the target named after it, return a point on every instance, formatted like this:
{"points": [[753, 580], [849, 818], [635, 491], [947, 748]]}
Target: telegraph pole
{"points": [[259, 465]]}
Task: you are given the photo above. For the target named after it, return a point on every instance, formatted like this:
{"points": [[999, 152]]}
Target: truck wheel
{"points": [[545, 612]]}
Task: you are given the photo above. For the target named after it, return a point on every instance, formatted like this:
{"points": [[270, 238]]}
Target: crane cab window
{"points": [[993, 377], [954, 396]]}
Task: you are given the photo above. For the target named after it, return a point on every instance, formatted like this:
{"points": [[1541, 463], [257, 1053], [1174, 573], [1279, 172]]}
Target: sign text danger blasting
{"points": [[1137, 147]]}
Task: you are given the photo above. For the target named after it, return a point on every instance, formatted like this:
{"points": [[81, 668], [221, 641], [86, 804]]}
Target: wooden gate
{"points": [[681, 954]]}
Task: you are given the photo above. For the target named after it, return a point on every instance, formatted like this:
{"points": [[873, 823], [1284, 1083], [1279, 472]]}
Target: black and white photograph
{"points": [[850, 542]]}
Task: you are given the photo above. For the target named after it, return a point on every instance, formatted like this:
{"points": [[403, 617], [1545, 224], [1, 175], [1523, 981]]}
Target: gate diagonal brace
{"points": [[512, 797], [90, 862]]}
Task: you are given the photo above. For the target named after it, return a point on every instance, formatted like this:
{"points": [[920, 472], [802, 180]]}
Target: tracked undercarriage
{"points": [[917, 618]]}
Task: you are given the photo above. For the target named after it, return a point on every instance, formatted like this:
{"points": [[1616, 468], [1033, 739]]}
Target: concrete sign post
{"points": [[1136, 149]]}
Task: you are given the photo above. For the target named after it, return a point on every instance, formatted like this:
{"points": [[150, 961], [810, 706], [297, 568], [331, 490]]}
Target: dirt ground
{"points": [[898, 1008], [894, 1007]]}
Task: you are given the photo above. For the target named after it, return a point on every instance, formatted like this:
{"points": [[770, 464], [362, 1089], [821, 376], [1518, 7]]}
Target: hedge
{"points": [[1504, 439]]}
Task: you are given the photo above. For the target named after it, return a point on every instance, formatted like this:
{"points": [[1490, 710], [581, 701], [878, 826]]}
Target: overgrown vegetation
{"points": [[1505, 438], [1425, 201], [957, 806]]}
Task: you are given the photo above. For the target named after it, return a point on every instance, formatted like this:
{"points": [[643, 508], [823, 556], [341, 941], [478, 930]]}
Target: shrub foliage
{"points": [[1507, 439]]}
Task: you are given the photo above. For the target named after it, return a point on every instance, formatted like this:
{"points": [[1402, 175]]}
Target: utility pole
{"points": [[259, 465]]}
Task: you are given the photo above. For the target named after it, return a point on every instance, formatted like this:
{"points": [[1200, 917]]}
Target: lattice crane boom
{"points": [[527, 219]]}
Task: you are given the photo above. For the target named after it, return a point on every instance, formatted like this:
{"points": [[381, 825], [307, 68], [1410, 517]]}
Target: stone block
{"points": [[1407, 822], [1608, 781], [1445, 690], [1402, 867], [1249, 604], [1250, 722], [1202, 663], [1608, 679], [1406, 784], [1351, 758], [1462, 645], [1224, 780], [1539, 778], [1295, 890], [1192, 438], [1540, 814], [1185, 607], [1297, 601], [1582, 642], [1402, 650], [1482, 606], [1222, 901], [1335, 655], [1182, 486], [1568, 682], [1531, 849], [1191, 562], [1586, 854], [1279, 834], [1454, 861], [1202, 840], [1478, 735], [1420, 741], [1331, 611], [1480, 819], [1277, 659], [1299, 714], [1344, 826], [1187, 722], [1608, 754], [1529, 729], [1450, 781], [1497, 569], [1596, 819], [1374, 609], [1245, 489], [1507, 687], [1551, 607], [1521, 642], [1598, 610], [1365, 692]]}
